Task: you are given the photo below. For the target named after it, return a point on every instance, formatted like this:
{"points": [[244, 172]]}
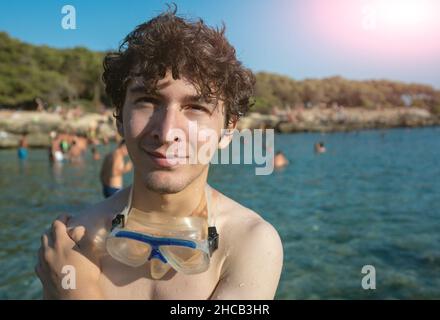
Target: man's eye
{"points": [[147, 100], [197, 108]]}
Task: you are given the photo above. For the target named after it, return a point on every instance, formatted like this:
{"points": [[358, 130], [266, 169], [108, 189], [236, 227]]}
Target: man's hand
{"points": [[60, 248]]}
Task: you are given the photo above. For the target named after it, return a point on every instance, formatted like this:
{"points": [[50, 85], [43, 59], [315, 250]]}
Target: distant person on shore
{"points": [[320, 148], [95, 153], [113, 168], [280, 160], [23, 147]]}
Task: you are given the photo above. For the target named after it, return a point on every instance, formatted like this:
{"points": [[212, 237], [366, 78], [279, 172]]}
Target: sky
{"points": [[356, 39]]}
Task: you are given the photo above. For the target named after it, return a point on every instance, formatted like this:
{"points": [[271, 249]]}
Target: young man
{"points": [[170, 74], [113, 169]]}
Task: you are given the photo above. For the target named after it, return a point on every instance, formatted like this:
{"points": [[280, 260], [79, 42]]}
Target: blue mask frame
{"points": [[156, 243]]}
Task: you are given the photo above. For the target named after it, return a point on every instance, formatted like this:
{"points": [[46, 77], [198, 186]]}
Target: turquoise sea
{"points": [[372, 199]]}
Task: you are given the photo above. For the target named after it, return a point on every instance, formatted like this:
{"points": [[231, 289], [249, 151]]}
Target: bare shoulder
{"points": [[241, 225], [252, 254], [102, 211], [96, 219]]}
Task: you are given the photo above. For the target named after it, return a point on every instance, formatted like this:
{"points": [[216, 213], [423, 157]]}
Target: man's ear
{"points": [[228, 133]]}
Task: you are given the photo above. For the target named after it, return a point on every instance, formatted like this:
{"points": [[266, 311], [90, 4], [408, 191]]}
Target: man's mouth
{"points": [[166, 161]]}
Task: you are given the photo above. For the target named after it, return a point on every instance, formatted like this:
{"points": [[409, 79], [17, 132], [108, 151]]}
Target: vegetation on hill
{"points": [[72, 76]]}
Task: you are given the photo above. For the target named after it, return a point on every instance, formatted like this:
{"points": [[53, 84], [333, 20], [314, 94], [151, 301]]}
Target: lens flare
{"points": [[392, 31]]}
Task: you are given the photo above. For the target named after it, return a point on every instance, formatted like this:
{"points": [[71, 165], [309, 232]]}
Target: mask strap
{"points": [[128, 207], [121, 218], [211, 214], [212, 230]]}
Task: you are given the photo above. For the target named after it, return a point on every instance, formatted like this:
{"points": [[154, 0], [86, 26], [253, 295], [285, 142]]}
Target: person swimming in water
{"points": [[319, 147], [169, 74], [95, 153], [280, 160]]}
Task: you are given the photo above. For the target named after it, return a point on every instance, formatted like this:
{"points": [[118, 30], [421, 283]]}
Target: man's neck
{"points": [[182, 203]]}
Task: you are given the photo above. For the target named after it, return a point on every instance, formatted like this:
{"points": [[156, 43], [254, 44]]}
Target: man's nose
{"points": [[167, 130]]}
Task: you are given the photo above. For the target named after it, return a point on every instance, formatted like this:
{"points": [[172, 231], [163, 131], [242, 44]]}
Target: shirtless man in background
{"points": [[113, 169], [75, 151], [23, 147], [168, 74]]}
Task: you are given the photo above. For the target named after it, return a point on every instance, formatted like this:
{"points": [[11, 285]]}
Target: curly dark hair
{"points": [[193, 50]]}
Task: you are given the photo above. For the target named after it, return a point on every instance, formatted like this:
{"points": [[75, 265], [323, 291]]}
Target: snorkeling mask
{"points": [[183, 243]]}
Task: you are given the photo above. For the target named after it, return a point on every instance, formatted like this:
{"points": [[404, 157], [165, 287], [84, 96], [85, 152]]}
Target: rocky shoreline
{"points": [[341, 119], [38, 125]]}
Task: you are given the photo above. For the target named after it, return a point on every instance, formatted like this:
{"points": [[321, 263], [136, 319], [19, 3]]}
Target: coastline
{"points": [[38, 125], [341, 119]]}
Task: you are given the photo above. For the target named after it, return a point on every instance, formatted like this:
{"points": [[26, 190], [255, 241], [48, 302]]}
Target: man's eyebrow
{"points": [[141, 89], [187, 99], [197, 99]]}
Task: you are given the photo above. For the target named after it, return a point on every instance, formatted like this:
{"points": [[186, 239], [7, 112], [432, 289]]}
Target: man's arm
{"points": [[121, 168], [253, 269], [128, 166]]}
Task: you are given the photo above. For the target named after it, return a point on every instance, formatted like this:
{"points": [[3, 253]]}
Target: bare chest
{"points": [[119, 281]]}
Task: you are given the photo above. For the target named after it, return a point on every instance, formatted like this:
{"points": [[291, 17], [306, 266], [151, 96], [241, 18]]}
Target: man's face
{"points": [[156, 127]]}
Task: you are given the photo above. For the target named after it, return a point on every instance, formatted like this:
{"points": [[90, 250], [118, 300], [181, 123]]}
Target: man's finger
{"points": [[64, 218], [77, 234], [59, 232], [57, 229], [44, 256], [44, 241], [40, 253], [37, 270]]}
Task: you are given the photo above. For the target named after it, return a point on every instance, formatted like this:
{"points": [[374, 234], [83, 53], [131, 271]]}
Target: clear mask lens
{"points": [[183, 259], [128, 251]]}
